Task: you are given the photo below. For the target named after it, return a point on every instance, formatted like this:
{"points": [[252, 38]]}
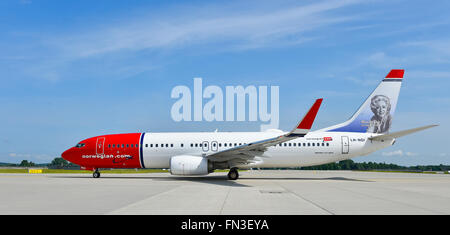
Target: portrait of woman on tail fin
{"points": [[381, 120]]}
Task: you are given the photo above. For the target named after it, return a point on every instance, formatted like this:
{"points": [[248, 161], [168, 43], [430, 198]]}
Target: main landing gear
{"points": [[96, 174], [233, 174]]}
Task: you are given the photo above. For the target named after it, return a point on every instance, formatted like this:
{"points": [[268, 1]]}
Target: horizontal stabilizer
{"points": [[400, 133]]}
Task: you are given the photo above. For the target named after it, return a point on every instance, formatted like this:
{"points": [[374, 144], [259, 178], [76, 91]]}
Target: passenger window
{"points": [[290, 144], [146, 145], [182, 145], [313, 144], [151, 145], [196, 145], [328, 144], [285, 144], [171, 145], [309, 144], [109, 146], [156, 145]]}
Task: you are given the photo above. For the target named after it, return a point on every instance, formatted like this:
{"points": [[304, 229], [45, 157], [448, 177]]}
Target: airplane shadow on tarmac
{"points": [[218, 180]]}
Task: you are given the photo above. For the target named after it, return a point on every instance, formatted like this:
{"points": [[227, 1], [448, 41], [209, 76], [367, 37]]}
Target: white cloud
{"points": [[242, 28], [410, 154], [34, 157], [399, 153], [393, 153], [116, 43], [431, 51], [423, 74]]}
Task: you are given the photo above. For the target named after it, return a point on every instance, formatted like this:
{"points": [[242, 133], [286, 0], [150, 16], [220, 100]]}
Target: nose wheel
{"points": [[233, 174], [96, 174]]}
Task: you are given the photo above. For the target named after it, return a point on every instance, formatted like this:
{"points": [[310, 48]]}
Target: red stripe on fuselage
{"points": [[107, 151]]}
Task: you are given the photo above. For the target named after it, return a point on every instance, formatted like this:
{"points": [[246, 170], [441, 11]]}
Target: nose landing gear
{"points": [[233, 174]]}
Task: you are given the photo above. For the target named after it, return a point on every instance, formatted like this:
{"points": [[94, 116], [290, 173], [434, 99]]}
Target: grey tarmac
{"points": [[255, 192]]}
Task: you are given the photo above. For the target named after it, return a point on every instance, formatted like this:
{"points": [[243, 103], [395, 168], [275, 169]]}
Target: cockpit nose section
{"points": [[68, 155], [73, 154]]}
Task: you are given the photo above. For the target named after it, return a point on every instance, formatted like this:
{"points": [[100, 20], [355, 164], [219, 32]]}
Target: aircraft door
{"points": [[100, 145], [345, 145]]}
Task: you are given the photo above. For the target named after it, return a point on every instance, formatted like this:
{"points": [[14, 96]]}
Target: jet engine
{"points": [[190, 165]]}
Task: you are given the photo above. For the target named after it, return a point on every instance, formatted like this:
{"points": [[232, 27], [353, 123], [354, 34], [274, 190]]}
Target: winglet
{"points": [[306, 123]]}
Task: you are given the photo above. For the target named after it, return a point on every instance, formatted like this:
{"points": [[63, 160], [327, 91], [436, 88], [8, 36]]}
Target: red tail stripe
{"points": [[396, 73]]}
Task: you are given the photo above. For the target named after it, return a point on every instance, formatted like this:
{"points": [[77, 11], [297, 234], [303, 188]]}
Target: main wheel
{"points": [[96, 174], [233, 174]]}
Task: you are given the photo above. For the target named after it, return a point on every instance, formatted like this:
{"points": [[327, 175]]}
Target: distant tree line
{"points": [[26, 163], [351, 165], [58, 163]]}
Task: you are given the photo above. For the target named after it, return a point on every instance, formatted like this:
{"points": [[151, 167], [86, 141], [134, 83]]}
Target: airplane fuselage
{"points": [[154, 150]]}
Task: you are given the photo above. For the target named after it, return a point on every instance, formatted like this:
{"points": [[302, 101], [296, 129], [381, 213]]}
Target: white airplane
{"points": [[200, 153]]}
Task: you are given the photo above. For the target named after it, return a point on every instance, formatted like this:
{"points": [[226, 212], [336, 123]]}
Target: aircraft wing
{"points": [[397, 134], [249, 151]]}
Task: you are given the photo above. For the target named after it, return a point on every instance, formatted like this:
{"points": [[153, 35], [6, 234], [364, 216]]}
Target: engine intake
{"points": [[190, 165]]}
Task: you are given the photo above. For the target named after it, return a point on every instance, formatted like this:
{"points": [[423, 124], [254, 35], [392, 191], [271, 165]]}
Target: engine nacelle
{"points": [[190, 165]]}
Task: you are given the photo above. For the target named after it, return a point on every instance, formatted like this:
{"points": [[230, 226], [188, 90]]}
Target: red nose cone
{"points": [[68, 155]]}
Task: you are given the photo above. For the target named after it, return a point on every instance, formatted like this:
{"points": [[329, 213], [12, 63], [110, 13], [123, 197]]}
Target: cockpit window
{"points": [[79, 145]]}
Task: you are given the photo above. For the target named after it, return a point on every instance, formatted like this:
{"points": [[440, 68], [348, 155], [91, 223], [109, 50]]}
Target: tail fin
{"points": [[375, 114]]}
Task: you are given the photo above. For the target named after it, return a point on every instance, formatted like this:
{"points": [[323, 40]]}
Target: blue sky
{"points": [[76, 69]]}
